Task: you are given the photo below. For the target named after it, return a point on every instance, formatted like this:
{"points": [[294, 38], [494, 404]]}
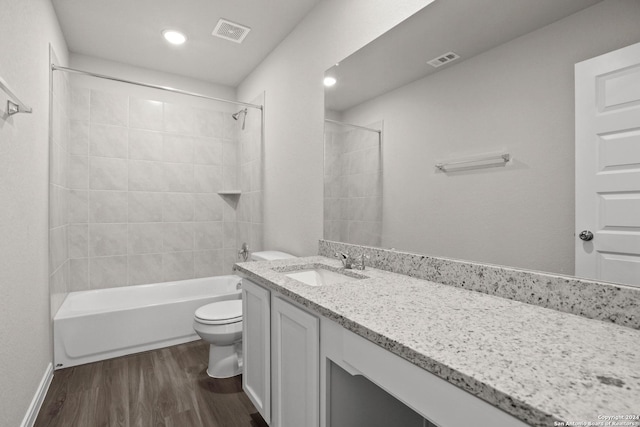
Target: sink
{"points": [[318, 276]]}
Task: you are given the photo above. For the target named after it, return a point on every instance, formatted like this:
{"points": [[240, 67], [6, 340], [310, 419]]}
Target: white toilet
{"points": [[220, 324]]}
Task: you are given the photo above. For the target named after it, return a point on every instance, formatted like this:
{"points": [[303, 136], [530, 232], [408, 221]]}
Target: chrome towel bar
{"points": [[475, 162], [13, 107]]}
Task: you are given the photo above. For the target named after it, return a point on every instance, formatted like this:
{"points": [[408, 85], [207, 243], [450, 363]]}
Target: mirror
{"points": [[510, 92]]}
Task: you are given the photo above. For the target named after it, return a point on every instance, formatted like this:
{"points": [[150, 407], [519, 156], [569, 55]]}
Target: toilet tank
{"points": [[270, 256]]}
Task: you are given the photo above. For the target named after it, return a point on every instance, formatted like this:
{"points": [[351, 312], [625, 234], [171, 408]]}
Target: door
{"points": [[295, 366], [256, 339], [608, 167]]}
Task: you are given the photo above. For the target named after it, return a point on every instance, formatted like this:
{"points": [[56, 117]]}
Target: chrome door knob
{"points": [[586, 235]]}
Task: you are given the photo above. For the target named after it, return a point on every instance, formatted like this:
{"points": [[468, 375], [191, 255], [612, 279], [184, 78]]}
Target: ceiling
{"points": [[129, 31], [466, 27]]}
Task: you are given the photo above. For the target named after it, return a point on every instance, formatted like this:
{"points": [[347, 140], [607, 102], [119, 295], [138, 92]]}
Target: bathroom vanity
{"points": [[451, 356]]}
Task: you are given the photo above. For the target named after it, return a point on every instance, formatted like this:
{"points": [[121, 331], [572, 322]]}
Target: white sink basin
{"points": [[320, 276]]}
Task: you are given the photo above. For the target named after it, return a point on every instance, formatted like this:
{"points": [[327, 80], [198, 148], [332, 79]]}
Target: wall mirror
{"points": [[501, 95]]}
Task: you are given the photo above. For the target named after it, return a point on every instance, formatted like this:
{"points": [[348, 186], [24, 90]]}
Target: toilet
{"points": [[220, 325]]}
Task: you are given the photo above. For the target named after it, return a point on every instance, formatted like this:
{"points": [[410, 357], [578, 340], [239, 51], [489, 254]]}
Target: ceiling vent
{"points": [[230, 31], [443, 59]]}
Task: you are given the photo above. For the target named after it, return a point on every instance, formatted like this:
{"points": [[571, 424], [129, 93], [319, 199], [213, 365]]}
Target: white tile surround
{"points": [[142, 202], [352, 185]]}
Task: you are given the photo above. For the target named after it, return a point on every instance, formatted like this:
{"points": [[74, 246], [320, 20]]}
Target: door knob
{"points": [[586, 235]]}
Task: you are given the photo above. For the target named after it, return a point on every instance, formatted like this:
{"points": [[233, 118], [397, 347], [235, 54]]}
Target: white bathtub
{"points": [[105, 323]]}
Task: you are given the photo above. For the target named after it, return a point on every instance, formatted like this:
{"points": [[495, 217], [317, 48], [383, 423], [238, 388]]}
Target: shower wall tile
{"points": [[58, 253], [208, 263], [145, 114], [207, 207], [107, 239], [108, 174], [144, 269], [209, 235], [229, 235], [145, 238], [79, 137], [107, 272], [78, 206], [145, 176], [177, 207], [230, 177], [177, 266], [208, 179], [177, 236], [207, 151], [177, 148], [78, 240], [179, 119], [108, 141], [229, 153], [145, 145], [145, 206], [232, 127], [178, 177], [108, 206], [78, 172], [57, 206], [109, 108], [208, 123], [79, 274]]}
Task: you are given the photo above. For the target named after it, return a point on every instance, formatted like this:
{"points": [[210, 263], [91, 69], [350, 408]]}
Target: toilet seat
{"points": [[220, 313]]}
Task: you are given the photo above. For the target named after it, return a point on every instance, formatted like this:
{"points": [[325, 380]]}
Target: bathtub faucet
{"points": [[244, 252]]}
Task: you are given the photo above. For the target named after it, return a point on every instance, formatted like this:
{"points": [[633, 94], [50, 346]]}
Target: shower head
{"points": [[236, 116]]}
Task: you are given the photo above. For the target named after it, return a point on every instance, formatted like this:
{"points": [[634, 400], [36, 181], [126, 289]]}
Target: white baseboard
{"points": [[32, 413]]}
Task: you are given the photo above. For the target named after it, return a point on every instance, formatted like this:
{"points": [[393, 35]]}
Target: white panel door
{"points": [[608, 166], [295, 366], [256, 339]]}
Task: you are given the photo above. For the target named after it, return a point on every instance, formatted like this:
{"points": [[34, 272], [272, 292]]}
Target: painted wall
{"points": [[518, 97], [291, 77], [26, 29]]}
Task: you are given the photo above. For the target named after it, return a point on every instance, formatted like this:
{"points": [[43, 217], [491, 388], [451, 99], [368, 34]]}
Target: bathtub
{"points": [[101, 324]]}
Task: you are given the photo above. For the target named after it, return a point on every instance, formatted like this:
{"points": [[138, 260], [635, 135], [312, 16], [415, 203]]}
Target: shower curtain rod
{"points": [[353, 126], [165, 88]]}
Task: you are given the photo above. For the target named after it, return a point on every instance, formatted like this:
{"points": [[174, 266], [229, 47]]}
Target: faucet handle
{"points": [[345, 258], [361, 263]]}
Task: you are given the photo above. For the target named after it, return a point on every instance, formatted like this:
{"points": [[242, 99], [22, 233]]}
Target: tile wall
{"points": [[59, 132], [143, 178], [353, 185], [250, 164]]}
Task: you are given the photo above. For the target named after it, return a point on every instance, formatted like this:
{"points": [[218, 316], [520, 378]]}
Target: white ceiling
{"points": [[466, 27], [129, 31]]}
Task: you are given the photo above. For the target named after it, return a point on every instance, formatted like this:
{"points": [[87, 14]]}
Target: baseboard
{"points": [[32, 413]]}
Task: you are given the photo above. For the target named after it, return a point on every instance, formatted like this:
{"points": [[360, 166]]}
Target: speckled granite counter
{"points": [[540, 365]]}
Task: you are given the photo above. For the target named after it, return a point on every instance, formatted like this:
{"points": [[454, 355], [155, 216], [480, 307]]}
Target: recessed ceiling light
{"points": [[329, 81], [174, 37]]}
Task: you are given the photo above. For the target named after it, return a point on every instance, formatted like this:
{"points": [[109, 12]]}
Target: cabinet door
{"points": [[295, 366], [256, 330]]}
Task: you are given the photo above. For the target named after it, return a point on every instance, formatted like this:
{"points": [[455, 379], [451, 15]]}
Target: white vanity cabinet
{"points": [[281, 358], [295, 365], [256, 339]]}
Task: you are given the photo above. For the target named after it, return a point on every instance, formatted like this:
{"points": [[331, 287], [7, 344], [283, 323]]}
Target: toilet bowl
{"points": [[220, 325]]}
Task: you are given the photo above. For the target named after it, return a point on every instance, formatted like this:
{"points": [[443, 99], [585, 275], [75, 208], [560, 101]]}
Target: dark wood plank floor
{"points": [[167, 387]]}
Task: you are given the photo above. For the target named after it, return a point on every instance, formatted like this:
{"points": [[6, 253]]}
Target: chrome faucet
{"points": [[345, 258], [360, 264]]}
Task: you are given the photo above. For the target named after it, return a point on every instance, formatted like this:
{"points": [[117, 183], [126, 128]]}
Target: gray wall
{"points": [[26, 29], [519, 97]]}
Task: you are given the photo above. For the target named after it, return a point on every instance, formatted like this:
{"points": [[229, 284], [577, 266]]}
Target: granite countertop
{"points": [[540, 365]]}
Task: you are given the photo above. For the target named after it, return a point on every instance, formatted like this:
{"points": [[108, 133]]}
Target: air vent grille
{"points": [[443, 59], [230, 31]]}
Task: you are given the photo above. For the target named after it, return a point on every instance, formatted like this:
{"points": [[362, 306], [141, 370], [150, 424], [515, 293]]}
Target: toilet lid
{"points": [[221, 312]]}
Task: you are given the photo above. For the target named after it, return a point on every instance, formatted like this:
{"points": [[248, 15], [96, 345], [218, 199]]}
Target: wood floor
{"points": [[167, 387]]}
